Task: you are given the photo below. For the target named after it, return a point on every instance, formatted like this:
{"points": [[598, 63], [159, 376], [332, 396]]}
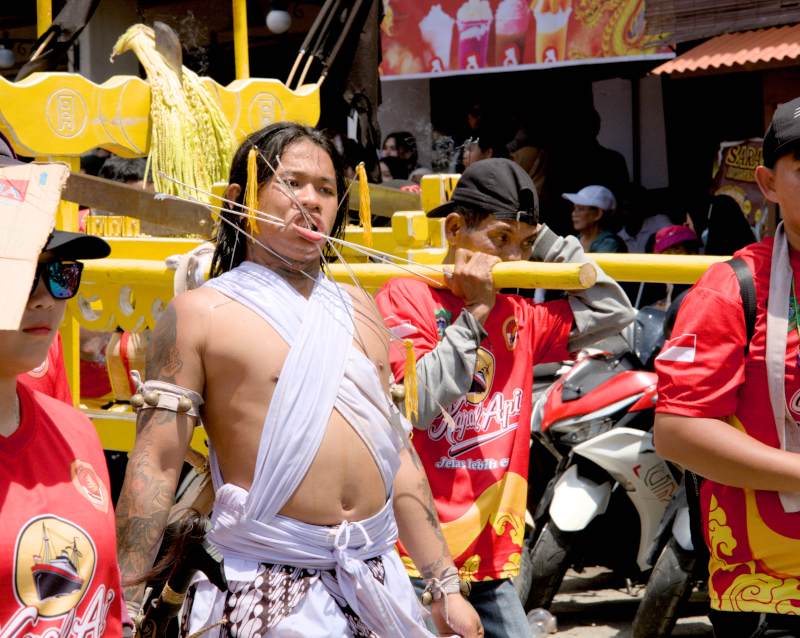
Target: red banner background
{"points": [[452, 36]]}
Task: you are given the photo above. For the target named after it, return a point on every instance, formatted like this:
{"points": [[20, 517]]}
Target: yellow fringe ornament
{"points": [[251, 190], [190, 137], [364, 207], [410, 381]]}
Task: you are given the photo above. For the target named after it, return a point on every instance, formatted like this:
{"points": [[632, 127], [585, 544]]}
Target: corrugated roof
{"points": [[738, 49]]}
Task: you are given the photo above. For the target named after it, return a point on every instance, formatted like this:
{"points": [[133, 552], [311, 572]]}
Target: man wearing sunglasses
{"points": [[59, 573]]}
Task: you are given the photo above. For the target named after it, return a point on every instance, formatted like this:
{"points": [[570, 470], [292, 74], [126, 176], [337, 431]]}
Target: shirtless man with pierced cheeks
{"points": [[233, 353]]}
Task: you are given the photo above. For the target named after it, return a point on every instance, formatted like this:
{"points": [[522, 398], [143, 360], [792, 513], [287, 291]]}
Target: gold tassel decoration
{"points": [[251, 190], [364, 207], [410, 381]]}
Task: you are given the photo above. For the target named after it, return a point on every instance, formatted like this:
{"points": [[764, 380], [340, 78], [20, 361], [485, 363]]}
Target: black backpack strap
{"points": [[747, 289], [693, 481]]}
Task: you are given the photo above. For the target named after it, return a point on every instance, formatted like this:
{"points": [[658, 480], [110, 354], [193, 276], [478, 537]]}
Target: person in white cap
{"points": [[592, 206]]}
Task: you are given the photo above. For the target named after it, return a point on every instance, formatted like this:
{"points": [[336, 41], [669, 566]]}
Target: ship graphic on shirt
{"points": [[54, 565], [56, 575]]}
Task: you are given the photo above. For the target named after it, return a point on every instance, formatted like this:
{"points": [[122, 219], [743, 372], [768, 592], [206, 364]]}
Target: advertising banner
{"points": [[734, 175], [425, 37]]}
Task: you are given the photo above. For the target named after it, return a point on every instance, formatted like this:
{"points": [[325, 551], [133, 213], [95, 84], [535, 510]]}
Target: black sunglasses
{"points": [[61, 278]]}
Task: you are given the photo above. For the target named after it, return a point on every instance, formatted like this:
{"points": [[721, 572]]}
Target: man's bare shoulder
{"points": [[179, 336], [193, 307], [359, 295], [363, 302]]}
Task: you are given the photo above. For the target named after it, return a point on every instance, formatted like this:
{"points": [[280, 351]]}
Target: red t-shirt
{"points": [[478, 471], [50, 377], [58, 571], [702, 372]]}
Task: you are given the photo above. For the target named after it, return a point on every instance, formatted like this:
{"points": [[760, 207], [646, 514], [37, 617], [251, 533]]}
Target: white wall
{"points": [[612, 99], [99, 37], [407, 107], [655, 172]]}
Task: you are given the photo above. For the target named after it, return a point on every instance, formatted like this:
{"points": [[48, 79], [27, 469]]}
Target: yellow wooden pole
{"points": [[240, 51], [44, 16], [511, 274], [661, 269], [67, 219]]}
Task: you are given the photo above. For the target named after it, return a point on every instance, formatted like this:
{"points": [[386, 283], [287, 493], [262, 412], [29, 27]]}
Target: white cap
{"points": [[595, 195]]}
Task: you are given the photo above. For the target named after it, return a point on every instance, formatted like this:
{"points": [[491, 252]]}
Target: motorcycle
{"points": [[610, 489], [678, 568]]}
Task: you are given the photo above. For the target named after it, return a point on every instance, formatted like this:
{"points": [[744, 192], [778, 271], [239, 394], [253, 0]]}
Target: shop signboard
{"points": [[424, 38], [734, 175]]}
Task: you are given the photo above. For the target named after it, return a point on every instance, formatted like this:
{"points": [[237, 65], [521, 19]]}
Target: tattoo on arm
{"points": [[163, 358], [430, 511], [142, 510], [415, 458], [433, 569]]}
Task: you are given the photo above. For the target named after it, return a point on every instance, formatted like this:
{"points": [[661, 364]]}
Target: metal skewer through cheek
{"points": [[277, 221], [373, 253]]}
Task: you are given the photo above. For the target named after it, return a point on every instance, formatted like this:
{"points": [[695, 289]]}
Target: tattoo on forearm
{"points": [[163, 358], [430, 511], [432, 570], [142, 513], [415, 459]]}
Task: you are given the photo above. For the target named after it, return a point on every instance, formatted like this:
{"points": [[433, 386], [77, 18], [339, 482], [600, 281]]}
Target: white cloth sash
{"points": [[780, 286], [323, 370]]}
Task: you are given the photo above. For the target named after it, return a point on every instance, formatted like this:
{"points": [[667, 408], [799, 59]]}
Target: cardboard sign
{"points": [[29, 196]]}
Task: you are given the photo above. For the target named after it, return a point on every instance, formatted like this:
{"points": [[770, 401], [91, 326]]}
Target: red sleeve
{"points": [[409, 312], [50, 379], [551, 324], [58, 372], [702, 366]]}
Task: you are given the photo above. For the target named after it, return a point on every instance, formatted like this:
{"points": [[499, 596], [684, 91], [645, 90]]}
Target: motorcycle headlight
{"points": [[574, 433]]}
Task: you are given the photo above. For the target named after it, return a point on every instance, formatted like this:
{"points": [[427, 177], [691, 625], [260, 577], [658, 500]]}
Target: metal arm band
{"points": [[165, 396]]}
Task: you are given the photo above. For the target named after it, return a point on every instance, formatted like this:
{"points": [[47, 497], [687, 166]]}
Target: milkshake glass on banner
{"points": [[474, 21], [552, 18], [510, 27], [437, 31]]}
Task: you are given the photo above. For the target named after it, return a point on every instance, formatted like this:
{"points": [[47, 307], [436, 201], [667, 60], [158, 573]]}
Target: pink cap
{"points": [[671, 235]]}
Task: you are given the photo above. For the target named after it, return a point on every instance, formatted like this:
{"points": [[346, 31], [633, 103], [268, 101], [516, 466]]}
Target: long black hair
{"points": [[271, 142], [728, 228]]}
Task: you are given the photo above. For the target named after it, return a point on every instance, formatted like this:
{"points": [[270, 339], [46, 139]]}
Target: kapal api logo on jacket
{"points": [[482, 377]]}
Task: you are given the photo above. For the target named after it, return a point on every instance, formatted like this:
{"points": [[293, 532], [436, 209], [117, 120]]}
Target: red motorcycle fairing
{"points": [[648, 400], [626, 384]]}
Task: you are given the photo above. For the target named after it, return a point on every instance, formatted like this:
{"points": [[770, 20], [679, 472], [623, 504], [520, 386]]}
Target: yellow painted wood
{"points": [[117, 429], [151, 248], [44, 16], [65, 114], [410, 229], [437, 189], [67, 219], [511, 274], [676, 269], [240, 52]]}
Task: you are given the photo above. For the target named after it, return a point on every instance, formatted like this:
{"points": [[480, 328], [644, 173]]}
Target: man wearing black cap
{"points": [[475, 351], [729, 407]]}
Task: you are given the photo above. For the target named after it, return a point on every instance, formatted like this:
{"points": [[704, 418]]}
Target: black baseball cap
{"points": [[783, 132], [498, 186], [67, 246]]}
